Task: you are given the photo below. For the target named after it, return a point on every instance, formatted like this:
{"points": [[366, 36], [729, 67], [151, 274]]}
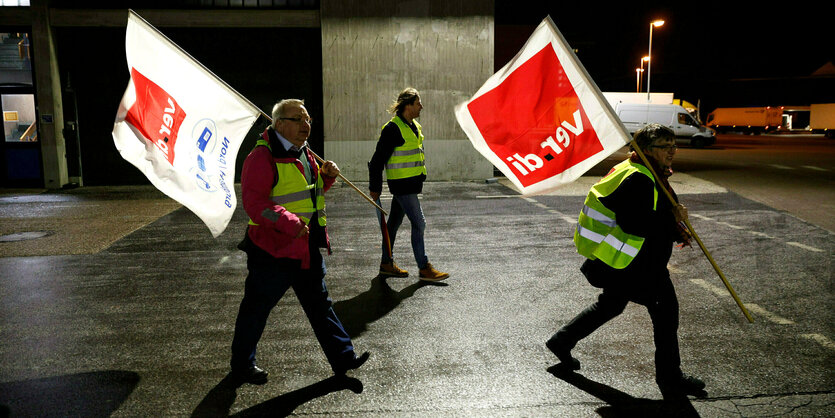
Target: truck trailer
{"points": [[749, 120], [822, 119]]}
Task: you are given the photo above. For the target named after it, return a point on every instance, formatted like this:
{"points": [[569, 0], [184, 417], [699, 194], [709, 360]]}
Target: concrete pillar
{"points": [[48, 96], [372, 49]]}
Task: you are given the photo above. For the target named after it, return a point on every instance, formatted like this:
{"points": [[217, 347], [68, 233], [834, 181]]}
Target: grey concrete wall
{"points": [[372, 49]]}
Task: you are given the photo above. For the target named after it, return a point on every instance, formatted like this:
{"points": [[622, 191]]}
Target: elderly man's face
{"points": [[294, 125]]}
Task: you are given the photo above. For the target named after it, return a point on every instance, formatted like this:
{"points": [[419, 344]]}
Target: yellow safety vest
{"points": [[598, 235], [293, 193], [407, 160]]}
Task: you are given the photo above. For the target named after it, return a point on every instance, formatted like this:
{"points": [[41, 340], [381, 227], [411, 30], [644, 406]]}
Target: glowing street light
{"points": [[640, 81], [656, 23], [638, 72]]}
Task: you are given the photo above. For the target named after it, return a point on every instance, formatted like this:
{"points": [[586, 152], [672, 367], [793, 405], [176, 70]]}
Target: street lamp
{"points": [[640, 82], [638, 72], [656, 24]]}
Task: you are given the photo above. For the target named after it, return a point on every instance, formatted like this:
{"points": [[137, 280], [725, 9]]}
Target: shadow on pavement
{"points": [[622, 404], [285, 404], [84, 394], [376, 302], [219, 400]]}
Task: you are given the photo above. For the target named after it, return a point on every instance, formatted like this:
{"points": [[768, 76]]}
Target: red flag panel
{"points": [[534, 121], [155, 114]]}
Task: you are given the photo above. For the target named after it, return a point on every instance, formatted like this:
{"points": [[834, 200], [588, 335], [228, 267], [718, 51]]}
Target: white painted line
{"points": [[224, 259], [761, 234], [811, 167], [730, 225], [709, 287], [820, 339], [805, 247], [530, 199], [674, 270], [501, 196], [705, 218], [754, 308], [781, 167]]}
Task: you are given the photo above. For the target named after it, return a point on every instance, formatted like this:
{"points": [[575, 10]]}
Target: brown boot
{"points": [[429, 274], [391, 269]]}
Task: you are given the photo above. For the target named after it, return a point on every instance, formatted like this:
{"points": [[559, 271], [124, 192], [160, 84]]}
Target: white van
{"points": [[688, 131]]}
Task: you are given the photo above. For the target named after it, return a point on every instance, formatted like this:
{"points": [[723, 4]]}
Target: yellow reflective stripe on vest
{"points": [[598, 235], [294, 193], [407, 160], [610, 240]]}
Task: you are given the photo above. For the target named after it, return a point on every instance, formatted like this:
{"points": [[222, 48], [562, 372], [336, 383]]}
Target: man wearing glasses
{"points": [[626, 231], [282, 188], [400, 151]]}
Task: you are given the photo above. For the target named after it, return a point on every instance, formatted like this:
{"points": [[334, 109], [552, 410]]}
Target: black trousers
{"points": [[661, 303]]}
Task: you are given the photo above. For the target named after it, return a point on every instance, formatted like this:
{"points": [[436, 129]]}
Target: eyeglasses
{"points": [[308, 121], [667, 148]]}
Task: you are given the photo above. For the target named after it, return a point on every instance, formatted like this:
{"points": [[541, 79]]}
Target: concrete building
{"points": [[347, 59]]}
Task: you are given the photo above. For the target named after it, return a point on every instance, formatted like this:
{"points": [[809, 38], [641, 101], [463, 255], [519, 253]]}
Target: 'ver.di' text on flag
{"points": [[181, 125], [541, 119]]}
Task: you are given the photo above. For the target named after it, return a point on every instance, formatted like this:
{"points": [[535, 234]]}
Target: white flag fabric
{"points": [[541, 119], [181, 125]]}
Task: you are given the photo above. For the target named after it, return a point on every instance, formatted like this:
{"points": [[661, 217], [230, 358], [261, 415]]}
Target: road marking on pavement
{"points": [[500, 196], [761, 234], [811, 167], [804, 246], [782, 167], [674, 270], [730, 225], [702, 217], [709, 287], [752, 307], [224, 259], [820, 339]]}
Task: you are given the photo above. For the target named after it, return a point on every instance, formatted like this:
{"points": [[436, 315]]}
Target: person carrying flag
{"points": [[283, 188], [400, 151], [626, 231]]}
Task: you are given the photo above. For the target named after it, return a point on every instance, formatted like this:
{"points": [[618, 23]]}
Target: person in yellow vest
{"points": [[626, 231], [282, 188], [400, 151]]}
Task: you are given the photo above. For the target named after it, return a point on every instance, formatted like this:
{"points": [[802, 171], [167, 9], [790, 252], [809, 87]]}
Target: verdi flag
{"points": [[181, 125], [541, 119]]}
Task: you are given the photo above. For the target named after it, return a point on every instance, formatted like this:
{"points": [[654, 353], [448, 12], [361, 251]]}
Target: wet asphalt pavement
{"points": [[139, 322]]}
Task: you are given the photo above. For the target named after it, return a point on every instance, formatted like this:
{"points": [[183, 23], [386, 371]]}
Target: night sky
{"points": [[722, 55]]}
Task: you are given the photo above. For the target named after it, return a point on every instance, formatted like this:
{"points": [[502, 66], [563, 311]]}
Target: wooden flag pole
{"points": [[695, 236], [341, 177]]}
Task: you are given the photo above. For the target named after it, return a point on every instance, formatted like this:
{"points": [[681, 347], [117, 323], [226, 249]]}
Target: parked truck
{"points": [[822, 119], [749, 120]]}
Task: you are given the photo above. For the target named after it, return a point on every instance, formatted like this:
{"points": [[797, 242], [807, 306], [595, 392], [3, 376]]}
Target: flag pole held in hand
{"points": [[341, 177], [695, 236]]}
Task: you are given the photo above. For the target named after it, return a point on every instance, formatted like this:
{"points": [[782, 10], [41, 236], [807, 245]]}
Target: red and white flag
{"points": [[181, 125], [541, 119]]}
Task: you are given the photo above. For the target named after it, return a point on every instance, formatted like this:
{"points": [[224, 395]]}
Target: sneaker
{"points": [[429, 274], [681, 386], [391, 269], [567, 361]]}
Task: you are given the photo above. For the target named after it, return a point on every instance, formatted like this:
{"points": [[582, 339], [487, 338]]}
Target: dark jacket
{"points": [[390, 138], [632, 204]]}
